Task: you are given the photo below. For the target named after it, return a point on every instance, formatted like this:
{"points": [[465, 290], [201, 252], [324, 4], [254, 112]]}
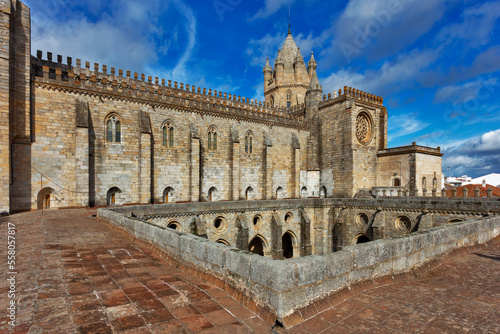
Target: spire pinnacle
{"points": [[289, 21]]}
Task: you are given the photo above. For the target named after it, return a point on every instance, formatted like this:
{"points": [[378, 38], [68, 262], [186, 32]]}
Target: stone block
{"points": [[365, 255]]}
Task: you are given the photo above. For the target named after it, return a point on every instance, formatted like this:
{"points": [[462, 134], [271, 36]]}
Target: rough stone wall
{"points": [[61, 153], [394, 167], [353, 164], [428, 166], [5, 11]]}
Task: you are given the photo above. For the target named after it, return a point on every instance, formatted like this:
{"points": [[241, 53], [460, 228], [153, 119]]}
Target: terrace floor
{"points": [[76, 274]]}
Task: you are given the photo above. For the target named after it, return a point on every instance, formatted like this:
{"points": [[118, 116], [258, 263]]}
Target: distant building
{"points": [[493, 178], [471, 190], [457, 181]]}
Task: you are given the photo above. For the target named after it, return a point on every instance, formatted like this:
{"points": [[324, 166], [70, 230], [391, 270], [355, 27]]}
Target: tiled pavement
{"points": [[77, 275]]}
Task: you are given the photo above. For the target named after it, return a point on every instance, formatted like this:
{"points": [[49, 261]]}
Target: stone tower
{"points": [[286, 85]]}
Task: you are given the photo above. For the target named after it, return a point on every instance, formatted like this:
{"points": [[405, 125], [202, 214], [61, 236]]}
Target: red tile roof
{"points": [[471, 190]]}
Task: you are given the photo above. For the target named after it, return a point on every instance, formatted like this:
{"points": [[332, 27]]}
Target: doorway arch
{"points": [[45, 198], [257, 245], [111, 196], [288, 242], [361, 239]]}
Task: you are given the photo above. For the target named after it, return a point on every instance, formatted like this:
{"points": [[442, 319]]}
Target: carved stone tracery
{"points": [[363, 128]]}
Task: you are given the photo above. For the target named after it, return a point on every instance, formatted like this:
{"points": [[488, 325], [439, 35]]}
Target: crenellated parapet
{"points": [[349, 93], [124, 85]]}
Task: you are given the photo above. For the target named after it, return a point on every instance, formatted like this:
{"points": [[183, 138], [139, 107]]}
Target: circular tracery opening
{"points": [[175, 226], [363, 128], [288, 218], [361, 220], [220, 224], [257, 221], [403, 224]]}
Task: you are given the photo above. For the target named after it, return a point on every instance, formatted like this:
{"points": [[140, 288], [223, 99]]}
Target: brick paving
{"points": [[77, 275]]}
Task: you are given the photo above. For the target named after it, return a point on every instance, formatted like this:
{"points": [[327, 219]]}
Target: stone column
{"points": [[145, 169], [276, 235], [305, 234], [82, 170], [268, 174]]}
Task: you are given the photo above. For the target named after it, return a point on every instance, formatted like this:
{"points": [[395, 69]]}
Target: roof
{"points": [[493, 178], [288, 53], [471, 190]]}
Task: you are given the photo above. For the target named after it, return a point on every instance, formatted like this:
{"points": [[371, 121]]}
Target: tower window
{"points": [[168, 135], [248, 143], [288, 99], [113, 130], [212, 139]]}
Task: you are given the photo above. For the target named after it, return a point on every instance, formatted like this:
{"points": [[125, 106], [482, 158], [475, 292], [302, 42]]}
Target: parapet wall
{"points": [[288, 285], [180, 95]]}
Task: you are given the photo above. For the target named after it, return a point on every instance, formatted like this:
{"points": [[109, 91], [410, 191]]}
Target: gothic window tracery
{"points": [[249, 143], [364, 128], [288, 99], [113, 129], [168, 134], [212, 139]]}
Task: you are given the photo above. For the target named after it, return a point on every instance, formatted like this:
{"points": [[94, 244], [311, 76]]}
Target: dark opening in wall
{"points": [[287, 245], [256, 246]]}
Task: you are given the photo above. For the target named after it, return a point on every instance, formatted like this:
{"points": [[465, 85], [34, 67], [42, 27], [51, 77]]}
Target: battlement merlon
{"points": [[348, 93], [49, 71]]}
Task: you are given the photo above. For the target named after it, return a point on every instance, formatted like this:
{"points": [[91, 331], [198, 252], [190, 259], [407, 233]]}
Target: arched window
{"points": [[111, 197], [424, 183], [248, 143], [258, 245], [168, 134], [288, 99], [288, 243], [272, 101], [212, 139], [249, 194], [397, 183], [323, 192], [279, 193], [303, 192], [213, 194], [168, 195], [434, 183], [113, 129], [45, 198]]}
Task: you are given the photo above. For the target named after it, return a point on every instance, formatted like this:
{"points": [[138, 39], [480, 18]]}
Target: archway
{"points": [[213, 194], [175, 226], [45, 198], [249, 194], [361, 239], [279, 193], [257, 246], [303, 192], [396, 183], [287, 244], [322, 192], [168, 195], [224, 242], [111, 197]]}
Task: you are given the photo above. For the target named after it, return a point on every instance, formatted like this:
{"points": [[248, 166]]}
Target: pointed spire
{"points": [[289, 21], [299, 57], [314, 84], [312, 62], [267, 67]]}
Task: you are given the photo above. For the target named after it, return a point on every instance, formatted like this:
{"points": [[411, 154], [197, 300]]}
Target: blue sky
{"points": [[436, 63]]}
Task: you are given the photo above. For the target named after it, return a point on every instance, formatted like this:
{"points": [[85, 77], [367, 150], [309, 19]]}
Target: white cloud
{"points": [[478, 23], [476, 156], [467, 91], [404, 124], [271, 7], [377, 28], [124, 34], [392, 76]]}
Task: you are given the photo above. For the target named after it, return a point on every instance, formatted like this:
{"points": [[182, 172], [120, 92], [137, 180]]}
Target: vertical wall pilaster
{"points": [[82, 166], [268, 174], [145, 169], [194, 170], [4, 108], [235, 182], [296, 173], [276, 235]]}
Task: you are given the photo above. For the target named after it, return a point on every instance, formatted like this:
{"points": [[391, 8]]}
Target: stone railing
{"points": [[285, 286]]}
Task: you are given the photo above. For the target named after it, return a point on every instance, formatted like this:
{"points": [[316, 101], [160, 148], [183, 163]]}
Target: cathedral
{"points": [[76, 135]]}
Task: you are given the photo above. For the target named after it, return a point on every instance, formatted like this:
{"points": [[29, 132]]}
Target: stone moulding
{"points": [[284, 286]]}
